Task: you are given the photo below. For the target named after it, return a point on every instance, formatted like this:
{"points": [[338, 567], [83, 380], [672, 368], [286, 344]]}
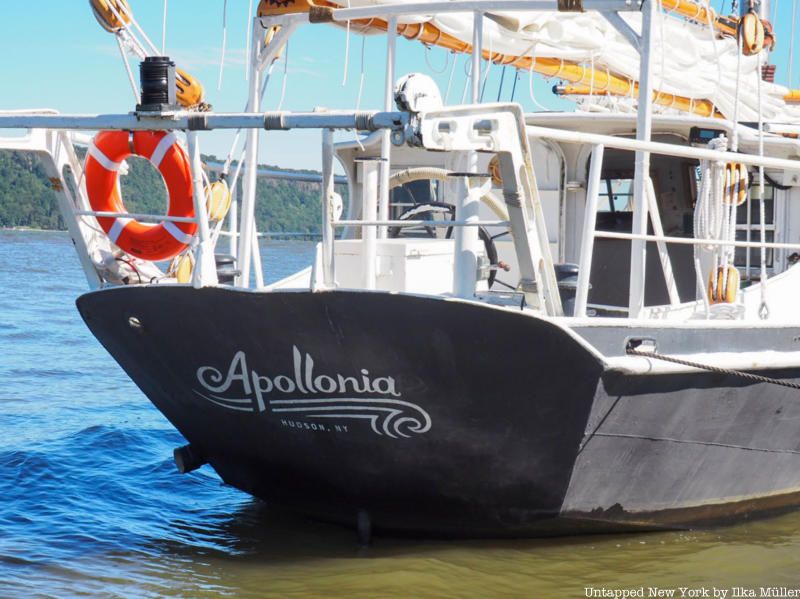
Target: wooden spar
{"points": [[703, 15], [700, 107], [793, 97]]}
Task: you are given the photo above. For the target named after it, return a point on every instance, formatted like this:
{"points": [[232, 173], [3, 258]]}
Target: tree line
{"points": [[27, 199]]}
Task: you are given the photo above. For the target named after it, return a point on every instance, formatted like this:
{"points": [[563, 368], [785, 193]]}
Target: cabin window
{"points": [[616, 195], [742, 227]]}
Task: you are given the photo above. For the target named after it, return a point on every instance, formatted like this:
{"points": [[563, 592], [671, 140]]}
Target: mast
{"points": [[644, 124]]}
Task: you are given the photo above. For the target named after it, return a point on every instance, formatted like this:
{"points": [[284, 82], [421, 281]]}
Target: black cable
{"points": [[502, 78], [775, 184], [514, 89]]}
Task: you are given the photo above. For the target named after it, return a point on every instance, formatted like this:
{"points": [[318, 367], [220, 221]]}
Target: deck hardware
{"points": [[135, 324], [187, 459], [641, 345]]}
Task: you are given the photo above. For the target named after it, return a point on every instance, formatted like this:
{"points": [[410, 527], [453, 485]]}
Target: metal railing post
{"points": [[369, 235], [328, 230], [467, 242], [205, 268], [251, 165], [644, 124], [589, 224], [386, 145]]}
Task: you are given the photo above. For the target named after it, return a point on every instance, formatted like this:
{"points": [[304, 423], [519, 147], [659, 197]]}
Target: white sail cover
{"points": [[688, 59]]}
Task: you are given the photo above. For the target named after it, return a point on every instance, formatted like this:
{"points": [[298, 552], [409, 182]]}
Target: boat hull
{"points": [[442, 417]]}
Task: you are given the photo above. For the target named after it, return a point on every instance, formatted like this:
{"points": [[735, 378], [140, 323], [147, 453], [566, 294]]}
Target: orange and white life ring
{"points": [[143, 240]]}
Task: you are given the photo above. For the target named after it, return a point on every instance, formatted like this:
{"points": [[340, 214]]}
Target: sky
{"points": [[55, 55]]}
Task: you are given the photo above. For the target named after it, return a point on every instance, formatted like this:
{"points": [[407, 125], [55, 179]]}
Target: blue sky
{"points": [[55, 55]]}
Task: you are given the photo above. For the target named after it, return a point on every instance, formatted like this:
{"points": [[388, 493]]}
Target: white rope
{"points": [[763, 310], [138, 27], [791, 44], [428, 50], [285, 75], [224, 42], [450, 79], [237, 172], [530, 85], [131, 78], [710, 218], [247, 38], [467, 79], [346, 51], [361, 75], [164, 31], [736, 96], [714, 45]]}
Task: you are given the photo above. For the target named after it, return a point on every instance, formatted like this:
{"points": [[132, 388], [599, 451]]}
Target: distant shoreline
{"points": [[33, 229]]}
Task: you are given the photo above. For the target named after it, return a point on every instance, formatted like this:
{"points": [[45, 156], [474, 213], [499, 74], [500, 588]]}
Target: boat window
{"points": [[754, 228], [616, 195]]}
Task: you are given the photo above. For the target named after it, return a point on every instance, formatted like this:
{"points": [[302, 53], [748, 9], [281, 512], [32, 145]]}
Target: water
{"points": [[91, 504]]}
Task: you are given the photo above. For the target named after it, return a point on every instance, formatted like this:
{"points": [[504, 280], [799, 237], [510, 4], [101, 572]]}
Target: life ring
{"points": [[143, 240]]}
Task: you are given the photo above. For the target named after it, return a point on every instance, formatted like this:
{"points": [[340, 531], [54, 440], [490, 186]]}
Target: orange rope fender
{"points": [[143, 240]]}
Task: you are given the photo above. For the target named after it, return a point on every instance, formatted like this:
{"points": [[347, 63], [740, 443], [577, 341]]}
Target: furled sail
{"points": [[697, 65]]}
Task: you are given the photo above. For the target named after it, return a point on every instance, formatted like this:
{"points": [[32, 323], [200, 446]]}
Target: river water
{"points": [[91, 503]]}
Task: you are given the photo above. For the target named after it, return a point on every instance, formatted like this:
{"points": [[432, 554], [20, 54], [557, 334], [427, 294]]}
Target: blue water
{"points": [[91, 503]]}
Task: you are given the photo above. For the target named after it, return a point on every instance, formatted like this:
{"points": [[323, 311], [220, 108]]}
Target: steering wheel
{"points": [[443, 211]]}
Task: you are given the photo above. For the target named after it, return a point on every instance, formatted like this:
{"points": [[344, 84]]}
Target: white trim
{"points": [[756, 360], [117, 228], [164, 144], [179, 235], [104, 160]]}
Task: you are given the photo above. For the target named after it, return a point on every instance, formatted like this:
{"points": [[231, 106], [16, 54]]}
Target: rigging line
{"points": [[164, 31], [285, 74], [428, 50], [735, 136], [530, 86], [514, 87], [485, 75], [791, 43], [247, 37], [346, 51], [135, 44], [763, 310], [135, 23], [224, 42], [467, 79], [631, 351], [450, 79], [128, 69], [502, 79], [361, 77], [716, 53]]}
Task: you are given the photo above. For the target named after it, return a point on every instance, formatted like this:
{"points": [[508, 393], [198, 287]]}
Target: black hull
{"points": [[469, 421]]}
